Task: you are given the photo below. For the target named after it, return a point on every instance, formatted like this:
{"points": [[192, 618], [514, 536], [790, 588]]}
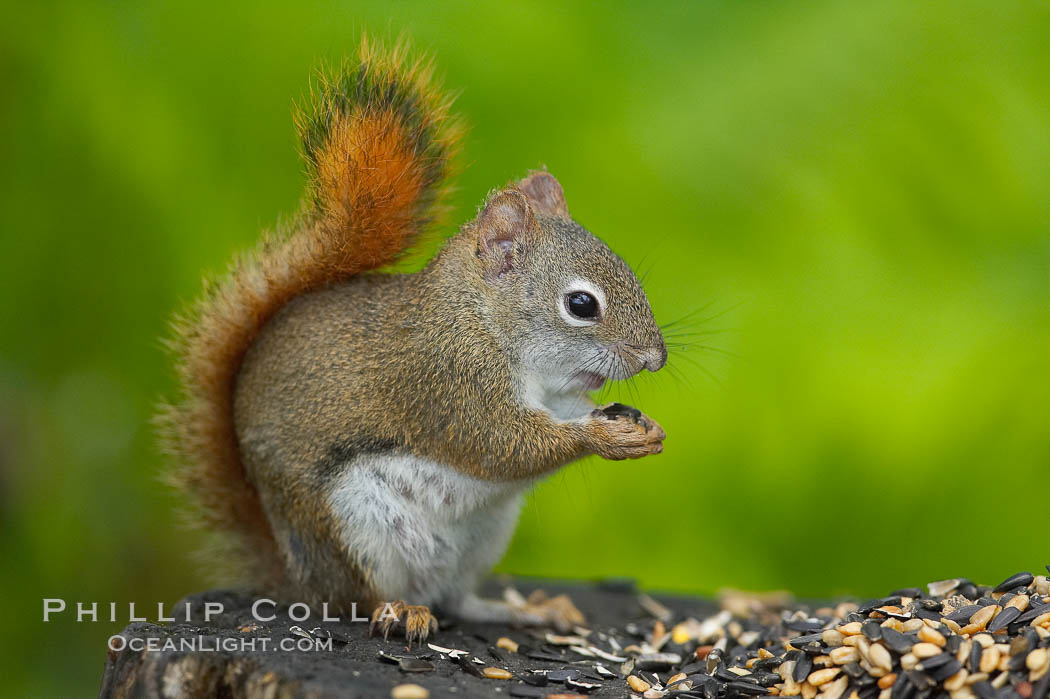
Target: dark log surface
{"points": [[352, 668]]}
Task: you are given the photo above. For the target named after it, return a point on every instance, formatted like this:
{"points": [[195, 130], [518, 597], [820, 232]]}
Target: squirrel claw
{"points": [[415, 620]]}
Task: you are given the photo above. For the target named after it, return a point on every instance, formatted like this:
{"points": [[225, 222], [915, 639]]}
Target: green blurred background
{"points": [[857, 195]]}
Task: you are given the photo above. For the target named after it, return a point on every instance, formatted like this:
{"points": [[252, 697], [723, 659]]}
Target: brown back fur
{"points": [[378, 139]]}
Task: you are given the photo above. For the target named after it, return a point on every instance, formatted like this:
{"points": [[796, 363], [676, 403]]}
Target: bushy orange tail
{"points": [[378, 139]]}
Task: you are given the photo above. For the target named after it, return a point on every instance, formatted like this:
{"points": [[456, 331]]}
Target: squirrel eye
{"points": [[582, 305]]}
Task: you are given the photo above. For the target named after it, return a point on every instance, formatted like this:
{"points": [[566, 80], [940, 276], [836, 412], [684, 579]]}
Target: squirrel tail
{"points": [[378, 139]]}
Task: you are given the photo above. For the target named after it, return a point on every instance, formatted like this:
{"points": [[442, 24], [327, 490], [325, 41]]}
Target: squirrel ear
{"points": [[545, 193], [506, 217]]}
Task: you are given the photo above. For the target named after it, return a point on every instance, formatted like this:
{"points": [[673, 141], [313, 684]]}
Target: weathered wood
{"points": [[350, 669]]}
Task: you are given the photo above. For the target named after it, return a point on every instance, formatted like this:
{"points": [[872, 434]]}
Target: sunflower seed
{"points": [[637, 684], [409, 691], [897, 641], [496, 673], [657, 661], [415, 665], [1023, 579], [1003, 619], [880, 657], [943, 587]]}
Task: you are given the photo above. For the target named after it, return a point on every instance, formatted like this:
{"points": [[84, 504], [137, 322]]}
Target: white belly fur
{"points": [[428, 532]]}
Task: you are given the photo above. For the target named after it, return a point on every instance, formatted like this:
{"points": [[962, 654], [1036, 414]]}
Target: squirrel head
{"points": [[562, 305]]}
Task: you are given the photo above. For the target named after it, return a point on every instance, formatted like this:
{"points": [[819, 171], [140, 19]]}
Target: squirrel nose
{"points": [[656, 357]]}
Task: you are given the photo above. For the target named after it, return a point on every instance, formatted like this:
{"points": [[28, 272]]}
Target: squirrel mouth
{"points": [[590, 380]]}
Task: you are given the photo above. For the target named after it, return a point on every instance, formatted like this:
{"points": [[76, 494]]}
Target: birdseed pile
{"points": [[954, 639]]}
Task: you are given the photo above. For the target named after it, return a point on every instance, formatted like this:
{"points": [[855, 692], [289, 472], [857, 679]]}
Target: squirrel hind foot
{"points": [[558, 611], [415, 620]]}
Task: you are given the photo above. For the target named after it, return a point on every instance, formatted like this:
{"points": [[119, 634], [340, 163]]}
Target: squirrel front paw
{"points": [[415, 620], [623, 432]]}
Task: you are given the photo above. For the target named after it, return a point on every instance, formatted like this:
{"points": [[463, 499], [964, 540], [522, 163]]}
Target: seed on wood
{"points": [[496, 673], [925, 650], [989, 659], [940, 588], [880, 657], [1035, 609], [963, 613], [956, 681], [893, 624], [871, 630], [936, 663], [637, 683], [862, 647], [843, 655], [746, 688], [657, 661], [561, 675], [676, 678], [823, 661], [832, 638], [946, 670], [819, 677], [982, 616], [896, 640], [1019, 601], [1003, 619], [580, 684], [415, 665], [1037, 659], [976, 653], [985, 640], [506, 644], [836, 689], [803, 666], [1023, 579], [967, 642], [556, 640], [409, 691], [909, 661], [983, 689], [930, 636]]}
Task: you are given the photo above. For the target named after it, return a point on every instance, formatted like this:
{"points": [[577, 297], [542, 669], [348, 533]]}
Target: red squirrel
{"points": [[355, 435]]}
